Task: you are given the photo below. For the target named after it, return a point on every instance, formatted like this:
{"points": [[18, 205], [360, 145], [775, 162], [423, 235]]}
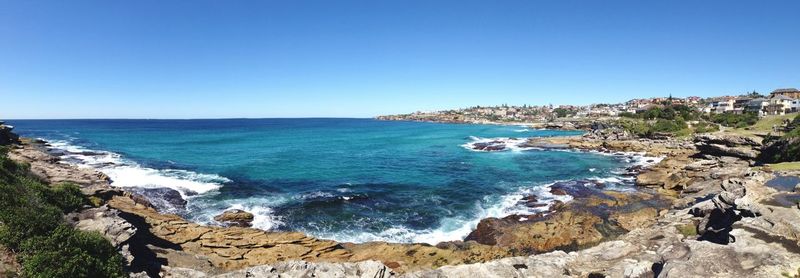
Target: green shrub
{"points": [[652, 113], [24, 212], [794, 123], [676, 127], [704, 127], [66, 196], [735, 120], [670, 112], [69, 253], [638, 128], [663, 125], [562, 112], [32, 224]]}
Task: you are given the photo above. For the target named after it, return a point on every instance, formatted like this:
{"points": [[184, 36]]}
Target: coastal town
{"points": [[778, 102]]}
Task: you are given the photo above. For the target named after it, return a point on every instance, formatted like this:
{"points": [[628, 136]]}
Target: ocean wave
{"points": [[480, 144], [640, 159], [522, 130], [127, 173], [401, 234], [188, 183], [512, 203], [457, 228], [454, 228], [263, 216]]}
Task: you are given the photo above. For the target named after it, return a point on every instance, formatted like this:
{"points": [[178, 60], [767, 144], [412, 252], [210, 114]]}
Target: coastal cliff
{"points": [[702, 210]]}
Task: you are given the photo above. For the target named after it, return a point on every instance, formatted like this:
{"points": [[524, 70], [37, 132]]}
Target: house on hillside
{"points": [[778, 105], [740, 105], [757, 106], [791, 93], [720, 105], [794, 106], [693, 101]]}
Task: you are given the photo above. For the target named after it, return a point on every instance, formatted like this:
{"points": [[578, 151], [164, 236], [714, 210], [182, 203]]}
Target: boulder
{"points": [[235, 217], [719, 213], [163, 199], [723, 150], [727, 140], [635, 218], [563, 229], [652, 178], [488, 230], [489, 146], [104, 220], [557, 191], [728, 145], [6, 136]]}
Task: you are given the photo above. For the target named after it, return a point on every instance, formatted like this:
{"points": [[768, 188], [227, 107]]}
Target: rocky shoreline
{"points": [[578, 124], [702, 211]]}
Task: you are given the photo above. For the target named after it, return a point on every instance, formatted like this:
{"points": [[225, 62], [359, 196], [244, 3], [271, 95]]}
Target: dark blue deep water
{"points": [[343, 179]]}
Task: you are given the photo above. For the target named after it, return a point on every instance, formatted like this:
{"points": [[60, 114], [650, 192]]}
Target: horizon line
{"points": [[181, 119]]}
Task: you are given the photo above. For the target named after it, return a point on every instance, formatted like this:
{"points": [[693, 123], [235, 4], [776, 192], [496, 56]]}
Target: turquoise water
{"points": [[344, 179]]}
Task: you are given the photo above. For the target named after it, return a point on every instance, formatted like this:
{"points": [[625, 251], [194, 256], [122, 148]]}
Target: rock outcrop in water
{"points": [[163, 199], [235, 217], [489, 146], [593, 216]]}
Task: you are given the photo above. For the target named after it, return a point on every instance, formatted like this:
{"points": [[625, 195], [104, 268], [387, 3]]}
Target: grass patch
{"points": [[688, 230], [792, 275], [95, 201], [785, 166], [764, 125]]}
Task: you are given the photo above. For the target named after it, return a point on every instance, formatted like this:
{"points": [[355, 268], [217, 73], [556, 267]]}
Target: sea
{"points": [[350, 180]]}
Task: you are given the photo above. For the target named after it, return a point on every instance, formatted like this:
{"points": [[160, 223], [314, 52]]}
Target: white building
{"points": [[720, 106], [794, 106], [757, 106], [778, 105]]}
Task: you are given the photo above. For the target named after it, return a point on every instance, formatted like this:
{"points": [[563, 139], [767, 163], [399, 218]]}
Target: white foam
{"points": [[263, 216], [316, 195], [186, 182], [606, 179], [521, 130], [126, 173], [510, 144], [451, 229], [511, 202]]}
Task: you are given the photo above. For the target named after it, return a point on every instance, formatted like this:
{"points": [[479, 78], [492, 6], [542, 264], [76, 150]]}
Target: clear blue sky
{"points": [[209, 59]]}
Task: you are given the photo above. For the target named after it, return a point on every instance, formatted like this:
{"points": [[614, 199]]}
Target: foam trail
{"points": [[187, 182], [127, 173]]}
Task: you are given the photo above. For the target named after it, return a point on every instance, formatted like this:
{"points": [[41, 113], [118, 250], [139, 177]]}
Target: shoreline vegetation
{"points": [[718, 204]]}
